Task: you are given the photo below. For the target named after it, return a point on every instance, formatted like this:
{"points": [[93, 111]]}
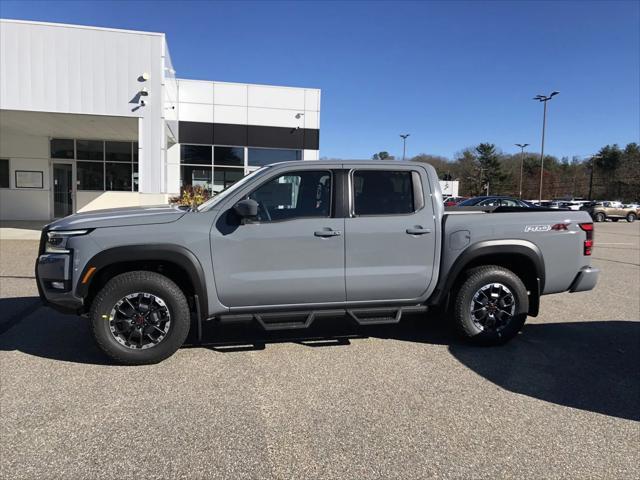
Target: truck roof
{"points": [[390, 163]]}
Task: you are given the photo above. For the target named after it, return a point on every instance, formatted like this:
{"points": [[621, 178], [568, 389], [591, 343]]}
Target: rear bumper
{"points": [[585, 280]]}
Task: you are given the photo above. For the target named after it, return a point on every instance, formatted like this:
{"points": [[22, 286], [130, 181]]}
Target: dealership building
{"points": [[96, 118]]}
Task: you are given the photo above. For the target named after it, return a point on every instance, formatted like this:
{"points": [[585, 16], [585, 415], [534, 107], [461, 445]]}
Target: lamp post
{"points": [[544, 99], [404, 144], [522, 147]]}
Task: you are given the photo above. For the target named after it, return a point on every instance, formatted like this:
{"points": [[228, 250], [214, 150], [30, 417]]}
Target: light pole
{"points": [[522, 146], [544, 99], [404, 144]]}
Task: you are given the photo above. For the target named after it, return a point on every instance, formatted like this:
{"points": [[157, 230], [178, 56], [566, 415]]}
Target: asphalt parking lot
{"points": [[407, 401]]}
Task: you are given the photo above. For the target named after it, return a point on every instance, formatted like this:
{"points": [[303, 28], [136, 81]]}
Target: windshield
{"points": [[212, 202], [470, 202]]}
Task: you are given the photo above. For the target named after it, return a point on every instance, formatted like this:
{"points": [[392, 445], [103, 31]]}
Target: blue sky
{"points": [[452, 74]]}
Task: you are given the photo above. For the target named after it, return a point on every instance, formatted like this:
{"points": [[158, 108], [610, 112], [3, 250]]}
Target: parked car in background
{"points": [[540, 203], [453, 201], [568, 203], [601, 211], [495, 201]]}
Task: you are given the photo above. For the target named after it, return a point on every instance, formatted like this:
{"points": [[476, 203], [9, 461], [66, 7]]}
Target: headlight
{"points": [[57, 241]]}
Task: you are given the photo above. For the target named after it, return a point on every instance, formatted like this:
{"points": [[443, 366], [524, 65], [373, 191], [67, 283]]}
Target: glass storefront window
{"points": [[118, 176], [62, 148], [224, 177], [135, 177], [233, 156], [90, 175], [264, 156], [197, 154], [90, 150], [118, 151], [119, 172], [196, 176]]}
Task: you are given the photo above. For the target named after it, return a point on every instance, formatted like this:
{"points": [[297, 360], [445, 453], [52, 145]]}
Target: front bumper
{"points": [[54, 280], [585, 280]]}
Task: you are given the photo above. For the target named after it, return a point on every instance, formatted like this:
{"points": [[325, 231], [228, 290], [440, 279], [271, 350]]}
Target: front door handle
{"points": [[327, 232], [418, 230]]}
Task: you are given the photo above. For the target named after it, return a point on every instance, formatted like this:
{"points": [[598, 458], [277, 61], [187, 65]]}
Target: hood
{"points": [[119, 217]]}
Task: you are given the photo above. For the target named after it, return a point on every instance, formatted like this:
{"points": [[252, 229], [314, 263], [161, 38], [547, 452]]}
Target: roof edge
{"points": [[85, 27]]}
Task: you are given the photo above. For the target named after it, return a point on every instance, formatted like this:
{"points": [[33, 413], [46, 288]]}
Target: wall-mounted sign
{"points": [[29, 179]]}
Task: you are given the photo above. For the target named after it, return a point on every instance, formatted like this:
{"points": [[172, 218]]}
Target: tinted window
{"points": [[294, 195], [61, 148], [469, 202], [383, 192], [4, 173], [228, 156], [490, 202], [89, 150], [118, 151], [135, 177], [118, 176], [509, 202], [197, 154], [90, 175], [225, 177], [196, 176], [265, 156]]}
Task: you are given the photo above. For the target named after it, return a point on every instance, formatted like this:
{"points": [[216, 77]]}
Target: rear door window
{"points": [[386, 192]]}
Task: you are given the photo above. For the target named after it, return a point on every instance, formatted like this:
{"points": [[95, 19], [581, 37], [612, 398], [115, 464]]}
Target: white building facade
{"points": [[95, 118]]}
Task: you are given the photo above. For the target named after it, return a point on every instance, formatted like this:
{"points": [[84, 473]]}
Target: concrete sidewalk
{"points": [[21, 229]]}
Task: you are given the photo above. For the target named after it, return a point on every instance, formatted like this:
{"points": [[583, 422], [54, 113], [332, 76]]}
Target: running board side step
{"points": [[303, 319], [382, 315]]}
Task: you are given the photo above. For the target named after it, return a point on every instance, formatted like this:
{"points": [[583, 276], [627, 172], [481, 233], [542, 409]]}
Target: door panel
{"points": [[389, 256], [280, 263], [62, 190], [384, 262], [292, 252]]}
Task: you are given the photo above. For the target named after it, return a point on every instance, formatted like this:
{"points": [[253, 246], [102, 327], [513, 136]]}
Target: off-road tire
{"points": [[140, 281], [475, 279], [600, 217], [631, 217]]}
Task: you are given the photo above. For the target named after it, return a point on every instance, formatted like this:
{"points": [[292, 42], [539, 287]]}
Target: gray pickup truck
{"points": [[296, 241]]}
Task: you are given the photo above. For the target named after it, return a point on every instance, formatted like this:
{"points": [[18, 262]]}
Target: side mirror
{"points": [[246, 208]]}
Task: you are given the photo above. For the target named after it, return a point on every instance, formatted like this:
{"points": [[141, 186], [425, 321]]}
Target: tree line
{"points": [[612, 174]]}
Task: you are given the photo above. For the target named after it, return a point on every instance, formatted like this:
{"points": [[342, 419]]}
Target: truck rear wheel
{"points": [[600, 217], [491, 305], [140, 318], [631, 217]]}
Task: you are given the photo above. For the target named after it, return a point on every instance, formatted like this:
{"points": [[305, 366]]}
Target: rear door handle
{"points": [[327, 232], [418, 230]]}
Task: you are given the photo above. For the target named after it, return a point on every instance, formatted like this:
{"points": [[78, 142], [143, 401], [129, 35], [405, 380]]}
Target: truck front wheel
{"points": [[491, 305], [140, 318]]}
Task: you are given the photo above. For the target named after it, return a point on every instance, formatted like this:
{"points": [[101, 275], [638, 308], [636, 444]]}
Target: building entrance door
{"points": [[62, 189]]}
